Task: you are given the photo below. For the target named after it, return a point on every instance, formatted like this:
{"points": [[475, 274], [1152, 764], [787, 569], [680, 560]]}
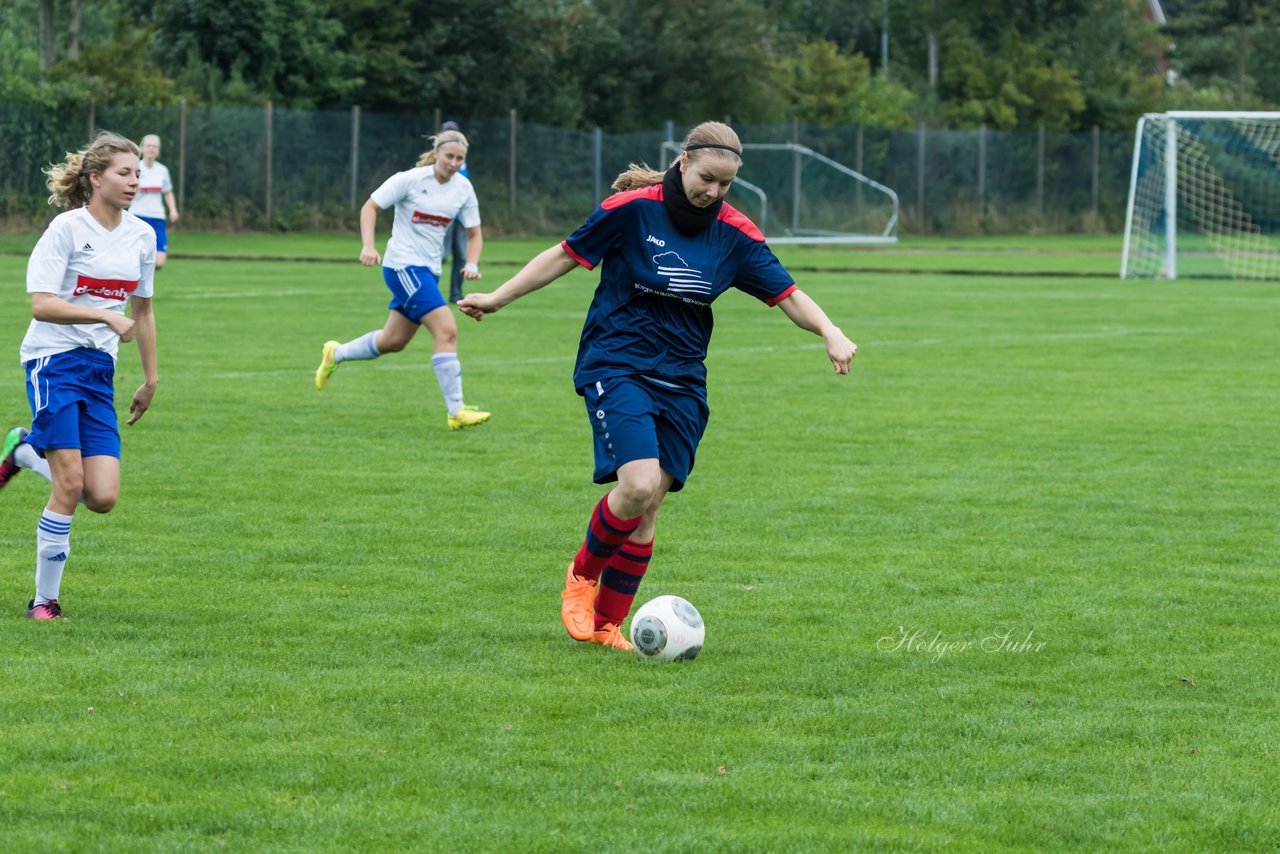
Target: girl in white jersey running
{"points": [[89, 263], [426, 199], [148, 204]]}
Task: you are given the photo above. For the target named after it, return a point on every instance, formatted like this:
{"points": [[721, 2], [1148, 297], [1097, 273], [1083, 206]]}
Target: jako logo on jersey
{"points": [[656, 241], [115, 289], [420, 218], [681, 278]]}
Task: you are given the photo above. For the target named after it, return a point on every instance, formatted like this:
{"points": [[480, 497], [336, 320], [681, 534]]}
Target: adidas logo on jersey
{"points": [[86, 248], [60, 556]]}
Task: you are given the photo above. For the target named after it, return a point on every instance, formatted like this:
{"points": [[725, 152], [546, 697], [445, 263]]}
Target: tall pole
{"points": [[269, 147], [597, 163], [795, 176], [1097, 158], [1040, 172], [920, 163], [982, 170], [884, 41], [355, 152], [511, 168], [182, 154], [1171, 197]]}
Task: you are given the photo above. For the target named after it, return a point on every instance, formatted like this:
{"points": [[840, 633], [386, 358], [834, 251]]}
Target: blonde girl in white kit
{"points": [[91, 262]]}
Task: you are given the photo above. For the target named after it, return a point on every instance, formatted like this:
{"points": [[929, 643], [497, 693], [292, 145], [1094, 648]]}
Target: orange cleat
{"points": [[611, 636], [578, 610]]}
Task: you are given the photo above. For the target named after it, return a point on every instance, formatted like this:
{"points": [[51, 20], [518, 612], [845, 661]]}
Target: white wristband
{"points": [[471, 268]]}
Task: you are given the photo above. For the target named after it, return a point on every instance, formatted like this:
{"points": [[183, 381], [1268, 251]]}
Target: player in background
{"points": [[455, 238], [669, 246], [148, 204], [426, 200], [90, 262]]}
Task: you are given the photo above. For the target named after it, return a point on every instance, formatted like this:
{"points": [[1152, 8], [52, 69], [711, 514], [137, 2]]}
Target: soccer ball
{"points": [[668, 629]]}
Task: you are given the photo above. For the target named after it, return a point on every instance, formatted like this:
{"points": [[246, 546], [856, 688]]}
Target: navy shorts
{"points": [[415, 291], [73, 403], [162, 231], [633, 418]]}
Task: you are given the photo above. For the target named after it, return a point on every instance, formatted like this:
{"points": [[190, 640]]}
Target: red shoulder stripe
{"points": [[617, 200], [732, 216]]}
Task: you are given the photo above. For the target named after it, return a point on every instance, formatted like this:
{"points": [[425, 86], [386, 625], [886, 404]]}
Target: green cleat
{"points": [[327, 365], [8, 465]]}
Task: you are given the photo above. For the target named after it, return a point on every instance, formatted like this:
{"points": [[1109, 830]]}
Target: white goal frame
{"points": [[1159, 187], [811, 236]]}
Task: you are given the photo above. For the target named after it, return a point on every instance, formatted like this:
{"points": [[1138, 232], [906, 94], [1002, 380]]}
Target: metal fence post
{"points": [[269, 147], [355, 152], [796, 194], [511, 168], [857, 167], [597, 162], [1040, 172], [982, 170], [435, 128], [182, 154], [93, 111], [1097, 156], [662, 151], [920, 140]]}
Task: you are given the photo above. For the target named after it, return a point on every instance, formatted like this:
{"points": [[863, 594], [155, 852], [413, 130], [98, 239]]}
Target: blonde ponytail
{"points": [[68, 181]]}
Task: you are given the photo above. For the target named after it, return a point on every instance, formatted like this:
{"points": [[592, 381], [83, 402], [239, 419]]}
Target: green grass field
{"points": [[1010, 586]]}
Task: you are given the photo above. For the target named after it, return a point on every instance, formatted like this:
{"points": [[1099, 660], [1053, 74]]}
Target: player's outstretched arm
{"points": [[544, 269], [808, 315]]}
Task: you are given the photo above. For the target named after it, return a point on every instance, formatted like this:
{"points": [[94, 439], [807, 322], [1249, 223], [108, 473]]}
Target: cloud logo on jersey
{"points": [[113, 289], [420, 218], [681, 278]]}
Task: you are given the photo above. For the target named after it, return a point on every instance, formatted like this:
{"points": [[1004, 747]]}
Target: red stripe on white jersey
{"points": [[431, 219], [116, 289]]}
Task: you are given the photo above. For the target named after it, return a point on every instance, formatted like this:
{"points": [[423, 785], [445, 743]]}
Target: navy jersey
{"points": [[651, 314]]}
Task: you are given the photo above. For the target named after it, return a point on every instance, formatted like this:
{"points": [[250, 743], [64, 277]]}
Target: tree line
{"points": [[623, 65]]}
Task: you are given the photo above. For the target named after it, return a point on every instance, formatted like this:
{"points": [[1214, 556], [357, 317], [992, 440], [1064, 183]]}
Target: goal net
{"points": [[1204, 197], [796, 195]]}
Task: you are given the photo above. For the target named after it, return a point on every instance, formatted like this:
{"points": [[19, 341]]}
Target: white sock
{"points": [[53, 547], [449, 375], [26, 457], [358, 349]]}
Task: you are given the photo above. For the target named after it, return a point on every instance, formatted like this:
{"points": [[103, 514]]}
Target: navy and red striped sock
{"points": [[620, 581], [605, 533]]}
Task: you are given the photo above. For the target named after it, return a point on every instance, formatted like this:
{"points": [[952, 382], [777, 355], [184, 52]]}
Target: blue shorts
{"points": [[161, 230], [633, 418], [415, 291], [72, 397]]}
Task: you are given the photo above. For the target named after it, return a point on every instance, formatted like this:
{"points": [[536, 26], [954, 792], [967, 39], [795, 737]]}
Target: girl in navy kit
{"points": [[669, 246], [90, 263]]}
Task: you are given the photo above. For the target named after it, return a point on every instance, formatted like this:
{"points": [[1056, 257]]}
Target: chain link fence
{"points": [[266, 167]]}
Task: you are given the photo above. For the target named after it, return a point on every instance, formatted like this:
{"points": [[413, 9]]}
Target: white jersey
{"points": [[424, 209], [153, 183], [83, 263]]}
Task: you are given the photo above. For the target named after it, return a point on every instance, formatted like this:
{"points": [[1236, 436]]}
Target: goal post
{"points": [[797, 195], [1204, 196]]}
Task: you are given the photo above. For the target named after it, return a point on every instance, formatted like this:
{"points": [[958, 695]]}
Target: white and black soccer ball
{"points": [[668, 628]]}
